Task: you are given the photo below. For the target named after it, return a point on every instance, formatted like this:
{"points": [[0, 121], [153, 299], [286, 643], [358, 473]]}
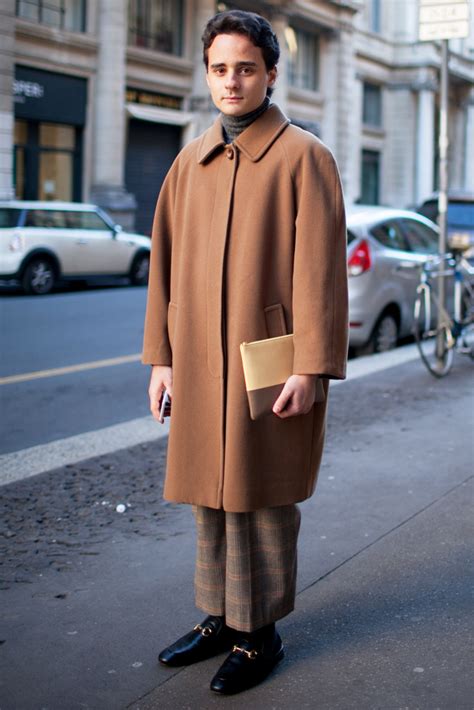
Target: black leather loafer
{"points": [[207, 639], [248, 664]]}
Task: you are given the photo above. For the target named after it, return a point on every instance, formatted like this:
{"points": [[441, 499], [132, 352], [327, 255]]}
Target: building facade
{"points": [[98, 96]]}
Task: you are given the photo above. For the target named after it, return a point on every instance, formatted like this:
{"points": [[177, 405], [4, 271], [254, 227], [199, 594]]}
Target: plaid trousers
{"points": [[246, 564]]}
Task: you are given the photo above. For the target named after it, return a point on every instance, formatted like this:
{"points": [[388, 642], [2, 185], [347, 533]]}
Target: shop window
{"points": [[46, 161], [156, 24], [63, 14], [303, 63], [372, 104], [370, 177]]}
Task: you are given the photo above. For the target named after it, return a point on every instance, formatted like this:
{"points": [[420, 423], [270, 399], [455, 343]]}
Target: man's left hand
{"points": [[296, 397]]}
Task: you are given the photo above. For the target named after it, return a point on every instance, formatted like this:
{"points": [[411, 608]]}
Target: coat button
{"points": [[230, 153]]}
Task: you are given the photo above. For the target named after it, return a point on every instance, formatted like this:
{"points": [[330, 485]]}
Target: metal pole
{"points": [[443, 190]]}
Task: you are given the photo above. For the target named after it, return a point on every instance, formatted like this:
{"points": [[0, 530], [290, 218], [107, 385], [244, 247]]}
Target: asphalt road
{"points": [[65, 329], [89, 596]]}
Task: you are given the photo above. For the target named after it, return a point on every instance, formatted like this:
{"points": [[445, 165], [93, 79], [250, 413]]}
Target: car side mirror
{"points": [[117, 229]]}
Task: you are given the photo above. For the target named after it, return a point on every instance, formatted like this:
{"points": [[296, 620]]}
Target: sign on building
{"points": [[443, 19]]}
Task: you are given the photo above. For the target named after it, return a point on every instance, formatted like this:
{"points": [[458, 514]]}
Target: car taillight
{"points": [[360, 260]]}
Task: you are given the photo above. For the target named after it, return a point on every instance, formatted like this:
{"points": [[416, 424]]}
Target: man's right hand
{"points": [[161, 377]]}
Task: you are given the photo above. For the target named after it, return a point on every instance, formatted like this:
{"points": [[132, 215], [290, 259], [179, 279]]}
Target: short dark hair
{"points": [[255, 27]]}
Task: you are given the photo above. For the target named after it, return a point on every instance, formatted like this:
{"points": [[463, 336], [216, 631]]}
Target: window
{"points": [[370, 177], [156, 24], [372, 104], [63, 14], [421, 238], [9, 218], [461, 215], [86, 220], [46, 219], [375, 24], [390, 235], [303, 63]]}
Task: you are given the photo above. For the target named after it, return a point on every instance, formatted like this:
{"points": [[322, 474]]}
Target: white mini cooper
{"points": [[44, 242]]}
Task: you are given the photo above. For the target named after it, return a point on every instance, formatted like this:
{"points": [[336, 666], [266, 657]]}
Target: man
{"points": [[248, 242]]}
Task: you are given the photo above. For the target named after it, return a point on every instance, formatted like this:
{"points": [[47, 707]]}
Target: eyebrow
{"points": [[239, 64]]}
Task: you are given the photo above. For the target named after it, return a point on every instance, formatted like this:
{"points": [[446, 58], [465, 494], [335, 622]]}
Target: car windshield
{"points": [[461, 214], [9, 217]]}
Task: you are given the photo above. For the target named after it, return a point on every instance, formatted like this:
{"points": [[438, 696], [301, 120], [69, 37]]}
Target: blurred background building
{"points": [[98, 96]]}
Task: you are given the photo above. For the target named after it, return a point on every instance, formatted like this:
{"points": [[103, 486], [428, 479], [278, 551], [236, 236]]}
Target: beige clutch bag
{"points": [[267, 365]]}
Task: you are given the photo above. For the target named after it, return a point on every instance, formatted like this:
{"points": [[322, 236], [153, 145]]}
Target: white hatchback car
{"points": [[44, 242]]}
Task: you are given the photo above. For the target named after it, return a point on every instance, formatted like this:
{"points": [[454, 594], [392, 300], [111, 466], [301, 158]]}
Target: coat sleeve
{"points": [[156, 344], [320, 286]]}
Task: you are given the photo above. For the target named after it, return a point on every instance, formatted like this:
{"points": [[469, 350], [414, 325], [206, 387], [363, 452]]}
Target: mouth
{"points": [[233, 98]]}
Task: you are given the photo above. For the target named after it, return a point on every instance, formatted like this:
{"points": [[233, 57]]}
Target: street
{"points": [[91, 595], [66, 329]]}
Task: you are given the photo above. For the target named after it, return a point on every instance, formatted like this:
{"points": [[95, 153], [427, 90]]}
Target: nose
{"points": [[232, 81]]}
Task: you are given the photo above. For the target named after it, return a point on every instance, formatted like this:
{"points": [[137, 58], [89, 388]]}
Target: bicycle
{"points": [[438, 338]]}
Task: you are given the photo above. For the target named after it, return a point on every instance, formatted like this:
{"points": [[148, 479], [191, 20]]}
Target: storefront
{"points": [[154, 138], [50, 112]]}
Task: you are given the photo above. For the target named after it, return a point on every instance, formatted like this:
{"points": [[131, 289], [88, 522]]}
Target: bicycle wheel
{"points": [[435, 344]]}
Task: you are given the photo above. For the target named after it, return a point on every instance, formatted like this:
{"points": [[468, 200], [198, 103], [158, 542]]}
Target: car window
{"points": [[47, 219], [86, 220], [430, 210], [9, 217], [421, 238], [390, 235], [461, 214]]}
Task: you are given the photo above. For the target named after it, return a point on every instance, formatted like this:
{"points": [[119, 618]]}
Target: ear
{"points": [[272, 76], [207, 78]]}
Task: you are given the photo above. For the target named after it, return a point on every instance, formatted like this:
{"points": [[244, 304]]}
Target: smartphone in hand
{"points": [[165, 405]]}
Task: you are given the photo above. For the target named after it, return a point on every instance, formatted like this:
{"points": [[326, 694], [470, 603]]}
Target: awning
{"points": [[159, 115]]}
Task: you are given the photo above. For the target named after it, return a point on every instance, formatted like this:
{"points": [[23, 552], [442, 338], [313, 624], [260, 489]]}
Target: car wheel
{"points": [[39, 276], [140, 269], [385, 333]]}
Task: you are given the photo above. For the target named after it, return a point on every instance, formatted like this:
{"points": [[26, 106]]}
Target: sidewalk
{"points": [[389, 625], [383, 620]]}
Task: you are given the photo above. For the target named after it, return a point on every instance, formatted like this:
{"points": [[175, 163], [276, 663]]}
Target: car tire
{"points": [[140, 268], [39, 276], [385, 334]]}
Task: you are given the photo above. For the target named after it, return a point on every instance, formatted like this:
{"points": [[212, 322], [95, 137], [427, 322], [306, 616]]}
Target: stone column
{"points": [[338, 86], [424, 144], [7, 40], [108, 161], [200, 102], [279, 23]]}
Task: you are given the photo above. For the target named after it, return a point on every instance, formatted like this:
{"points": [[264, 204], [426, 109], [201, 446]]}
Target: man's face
{"points": [[237, 76]]}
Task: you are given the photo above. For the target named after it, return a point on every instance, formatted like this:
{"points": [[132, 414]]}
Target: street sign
{"points": [[443, 19]]}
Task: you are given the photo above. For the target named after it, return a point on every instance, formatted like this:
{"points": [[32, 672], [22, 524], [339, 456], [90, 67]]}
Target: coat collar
{"points": [[254, 141]]}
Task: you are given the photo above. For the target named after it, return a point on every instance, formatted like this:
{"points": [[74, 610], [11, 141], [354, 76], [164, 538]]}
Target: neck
{"points": [[232, 126]]}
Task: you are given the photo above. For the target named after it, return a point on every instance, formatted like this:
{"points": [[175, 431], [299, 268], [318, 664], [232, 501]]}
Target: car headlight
{"points": [[16, 243]]}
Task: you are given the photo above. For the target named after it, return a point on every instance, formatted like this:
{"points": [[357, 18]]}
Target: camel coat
{"points": [[248, 242]]}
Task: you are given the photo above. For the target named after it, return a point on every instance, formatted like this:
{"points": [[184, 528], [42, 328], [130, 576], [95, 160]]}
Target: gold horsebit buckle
{"points": [[205, 630], [251, 654]]}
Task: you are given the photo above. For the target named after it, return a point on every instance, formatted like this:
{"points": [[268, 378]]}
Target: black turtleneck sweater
{"points": [[232, 126]]}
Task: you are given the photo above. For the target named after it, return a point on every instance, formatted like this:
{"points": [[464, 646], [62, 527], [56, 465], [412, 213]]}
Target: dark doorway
{"points": [[151, 149]]}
